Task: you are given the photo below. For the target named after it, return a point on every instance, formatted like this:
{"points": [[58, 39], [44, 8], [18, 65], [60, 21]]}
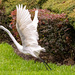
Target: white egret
{"points": [[27, 30]]}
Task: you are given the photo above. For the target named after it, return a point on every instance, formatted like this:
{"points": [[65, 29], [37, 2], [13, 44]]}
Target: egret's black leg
{"points": [[46, 65]]}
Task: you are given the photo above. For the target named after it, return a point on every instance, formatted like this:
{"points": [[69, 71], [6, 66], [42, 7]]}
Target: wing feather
{"points": [[27, 28]]}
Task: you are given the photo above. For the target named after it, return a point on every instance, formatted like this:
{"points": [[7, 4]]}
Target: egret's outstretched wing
{"points": [[27, 28]]}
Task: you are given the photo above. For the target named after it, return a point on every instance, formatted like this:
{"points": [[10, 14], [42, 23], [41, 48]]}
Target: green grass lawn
{"points": [[12, 64]]}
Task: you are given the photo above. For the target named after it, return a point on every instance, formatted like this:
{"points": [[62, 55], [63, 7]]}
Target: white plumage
{"points": [[27, 30]]}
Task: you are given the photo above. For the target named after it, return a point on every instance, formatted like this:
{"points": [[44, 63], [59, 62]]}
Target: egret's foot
{"points": [[46, 65]]}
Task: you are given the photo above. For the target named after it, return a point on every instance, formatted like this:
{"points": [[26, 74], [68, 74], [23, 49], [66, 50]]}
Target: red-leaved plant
{"points": [[53, 30], [44, 16]]}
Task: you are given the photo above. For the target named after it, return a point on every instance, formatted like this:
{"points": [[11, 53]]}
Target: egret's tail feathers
{"points": [[34, 50], [37, 52]]}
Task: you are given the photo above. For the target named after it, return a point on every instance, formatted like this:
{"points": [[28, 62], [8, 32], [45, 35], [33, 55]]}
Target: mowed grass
{"points": [[12, 64]]}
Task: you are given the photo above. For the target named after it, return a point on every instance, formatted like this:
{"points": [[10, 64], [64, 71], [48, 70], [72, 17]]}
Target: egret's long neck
{"points": [[11, 36]]}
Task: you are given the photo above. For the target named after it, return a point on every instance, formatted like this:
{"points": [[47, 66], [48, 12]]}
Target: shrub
{"points": [[60, 6], [54, 32], [4, 20], [41, 2], [10, 5]]}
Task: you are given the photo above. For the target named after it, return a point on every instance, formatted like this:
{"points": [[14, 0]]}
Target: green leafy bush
{"points": [[60, 6], [41, 2], [10, 5], [54, 32]]}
